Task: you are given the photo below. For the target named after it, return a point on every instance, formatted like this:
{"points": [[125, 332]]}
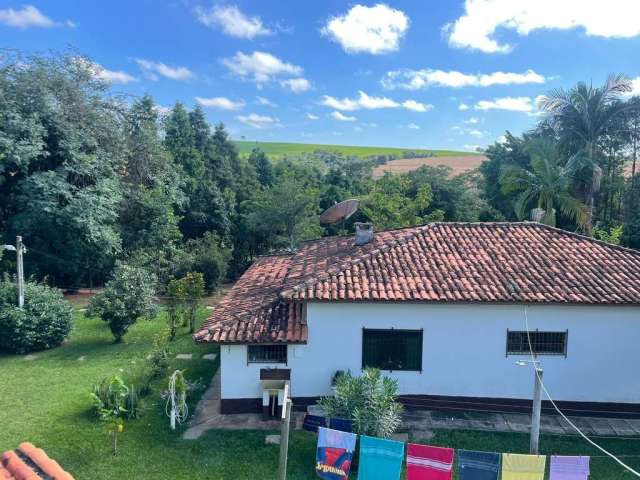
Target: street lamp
{"points": [[537, 403]]}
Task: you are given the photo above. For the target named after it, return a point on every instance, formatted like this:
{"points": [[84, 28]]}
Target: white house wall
{"points": [[463, 351]]}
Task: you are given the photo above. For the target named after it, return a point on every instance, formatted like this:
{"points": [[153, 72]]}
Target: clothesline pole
{"points": [[284, 434], [537, 407]]}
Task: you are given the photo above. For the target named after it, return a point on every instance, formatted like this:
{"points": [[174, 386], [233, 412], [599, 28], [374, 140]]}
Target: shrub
{"points": [[44, 322], [368, 400], [113, 402], [208, 256], [127, 297], [114, 395], [177, 296]]}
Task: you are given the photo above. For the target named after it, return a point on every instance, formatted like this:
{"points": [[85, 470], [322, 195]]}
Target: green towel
{"points": [[380, 459]]}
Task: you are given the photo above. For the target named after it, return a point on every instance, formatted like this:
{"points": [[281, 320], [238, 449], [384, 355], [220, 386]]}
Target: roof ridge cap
{"points": [[335, 270], [585, 237]]}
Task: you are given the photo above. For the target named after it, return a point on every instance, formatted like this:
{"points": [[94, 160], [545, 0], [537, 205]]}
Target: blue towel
{"points": [[341, 424], [380, 459], [478, 465], [312, 422]]}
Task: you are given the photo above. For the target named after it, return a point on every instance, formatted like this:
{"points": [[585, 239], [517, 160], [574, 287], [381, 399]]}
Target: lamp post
{"points": [[537, 404], [20, 249]]}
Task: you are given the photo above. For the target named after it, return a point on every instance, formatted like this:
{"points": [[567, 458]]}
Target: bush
{"points": [[114, 395], [44, 322], [208, 256], [127, 297], [369, 401]]}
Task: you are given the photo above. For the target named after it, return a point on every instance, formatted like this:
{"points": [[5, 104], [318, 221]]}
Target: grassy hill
{"points": [[278, 149]]}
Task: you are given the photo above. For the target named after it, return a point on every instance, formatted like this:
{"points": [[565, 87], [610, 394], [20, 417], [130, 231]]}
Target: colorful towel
{"points": [[523, 467], [478, 465], [569, 468], [341, 424], [312, 422], [380, 459], [334, 453], [429, 463]]}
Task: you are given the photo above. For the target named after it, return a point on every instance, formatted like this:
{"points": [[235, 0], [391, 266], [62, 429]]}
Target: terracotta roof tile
{"points": [[30, 463], [439, 262]]}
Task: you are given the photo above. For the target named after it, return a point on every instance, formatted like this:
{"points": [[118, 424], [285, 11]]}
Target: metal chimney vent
{"points": [[364, 233]]}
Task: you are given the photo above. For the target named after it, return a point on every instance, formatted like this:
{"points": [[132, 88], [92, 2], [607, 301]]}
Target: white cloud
{"points": [[374, 30], [463, 106], [311, 116], [472, 121], [162, 110], [413, 126], [372, 103], [153, 69], [635, 87], [110, 76], [232, 21], [258, 121], [514, 104], [259, 67], [296, 85], [475, 132], [29, 16], [343, 118], [265, 102], [418, 79], [476, 28], [223, 103], [417, 106]]}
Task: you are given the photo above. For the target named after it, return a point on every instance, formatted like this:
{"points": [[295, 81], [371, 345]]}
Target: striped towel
{"points": [[569, 468], [523, 467], [478, 465], [380, 459], [429, 463]]}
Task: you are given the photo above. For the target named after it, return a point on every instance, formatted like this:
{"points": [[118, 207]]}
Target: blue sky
{"points": [[421, 74]]}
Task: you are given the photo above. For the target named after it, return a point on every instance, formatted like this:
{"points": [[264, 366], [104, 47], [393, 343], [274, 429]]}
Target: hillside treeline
{"points": [[90, 178]]}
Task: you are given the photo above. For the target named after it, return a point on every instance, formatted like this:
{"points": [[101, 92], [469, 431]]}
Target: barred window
{"points": [[392, 349], [267, 354], [542, 343]]}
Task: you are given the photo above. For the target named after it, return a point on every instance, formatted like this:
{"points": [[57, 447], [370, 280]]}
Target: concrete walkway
{"points": [[207, 415], [517, 422]]}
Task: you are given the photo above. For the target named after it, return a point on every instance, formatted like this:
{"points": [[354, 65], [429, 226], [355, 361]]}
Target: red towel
{"points": [[429, 463]]}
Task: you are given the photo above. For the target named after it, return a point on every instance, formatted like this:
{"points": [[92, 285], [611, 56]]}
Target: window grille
{"points": [[267, 354], [392, 349], [542, 343]]}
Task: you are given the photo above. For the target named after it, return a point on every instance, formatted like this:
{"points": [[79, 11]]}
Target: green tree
{"points": [[125, 298], [545, 186], [285, 213], [581, 117], [261, 163], [61, 153]]}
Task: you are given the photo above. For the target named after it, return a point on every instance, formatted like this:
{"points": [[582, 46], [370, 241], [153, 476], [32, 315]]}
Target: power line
{"points": [[566, 419]]}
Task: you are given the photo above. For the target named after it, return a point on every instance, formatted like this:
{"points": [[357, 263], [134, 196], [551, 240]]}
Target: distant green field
{"points": [[275, 149]]}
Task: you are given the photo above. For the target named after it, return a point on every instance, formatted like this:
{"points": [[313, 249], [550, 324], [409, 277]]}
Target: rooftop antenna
{"points": [[339, 212]]}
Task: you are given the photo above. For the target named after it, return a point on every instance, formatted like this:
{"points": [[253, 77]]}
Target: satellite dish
{"points": [[339, 212]]}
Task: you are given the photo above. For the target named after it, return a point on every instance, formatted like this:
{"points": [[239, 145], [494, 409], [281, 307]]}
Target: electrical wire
{"points": [[566, 419]]}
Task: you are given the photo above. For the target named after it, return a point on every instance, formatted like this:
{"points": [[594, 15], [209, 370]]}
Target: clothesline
{"points": [[381, 459]]}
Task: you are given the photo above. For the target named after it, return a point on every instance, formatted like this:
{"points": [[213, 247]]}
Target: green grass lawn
{"points": [[46, 401], [275, 149]]}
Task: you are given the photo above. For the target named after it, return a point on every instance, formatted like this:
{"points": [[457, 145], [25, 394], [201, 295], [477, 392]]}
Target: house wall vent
{"points": [[364, 233]]}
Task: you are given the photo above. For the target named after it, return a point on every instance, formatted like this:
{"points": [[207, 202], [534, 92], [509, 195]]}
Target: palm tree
{"points": [[546, 185], [581, 116]]}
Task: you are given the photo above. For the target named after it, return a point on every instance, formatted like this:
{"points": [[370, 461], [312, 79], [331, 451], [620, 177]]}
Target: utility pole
{"points": [[537, 406], [284, 434], [19, 248]]}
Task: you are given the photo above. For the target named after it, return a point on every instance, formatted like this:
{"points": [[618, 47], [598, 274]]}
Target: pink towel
{"points": [[569, 468], [429, 463]]}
